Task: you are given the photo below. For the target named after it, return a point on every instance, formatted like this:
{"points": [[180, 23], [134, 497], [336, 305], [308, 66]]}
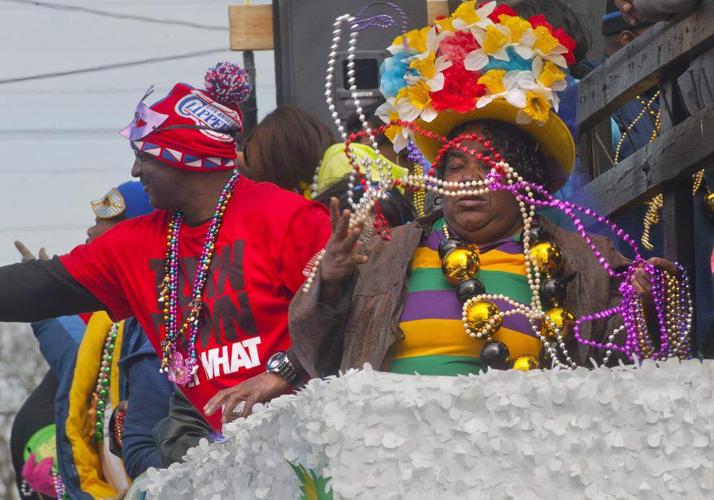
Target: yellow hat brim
{"points": [[556, 141]]}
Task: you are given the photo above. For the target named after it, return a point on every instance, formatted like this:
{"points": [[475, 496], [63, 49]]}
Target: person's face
{"points": [[101, 226], [162, 183], [483, 218]]}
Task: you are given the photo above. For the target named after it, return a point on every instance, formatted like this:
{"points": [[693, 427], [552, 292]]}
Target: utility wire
{"points": [[104, 67], [116, 15]]}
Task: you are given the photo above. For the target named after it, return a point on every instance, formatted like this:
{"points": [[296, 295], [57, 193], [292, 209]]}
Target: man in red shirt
{"points": [[210, 274]]}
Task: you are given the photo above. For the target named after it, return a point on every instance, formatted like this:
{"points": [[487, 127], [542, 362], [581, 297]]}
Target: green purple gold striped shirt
{"points": [[435, 342]]}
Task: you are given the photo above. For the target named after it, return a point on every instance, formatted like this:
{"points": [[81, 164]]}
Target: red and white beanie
{"points": [[194, 129]]}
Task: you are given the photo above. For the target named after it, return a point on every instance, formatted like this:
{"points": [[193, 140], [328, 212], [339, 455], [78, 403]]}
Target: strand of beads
{"points": [[179, 369], [58, 485], [119, 427], [311, 270], [101, 390], [638, 342]]}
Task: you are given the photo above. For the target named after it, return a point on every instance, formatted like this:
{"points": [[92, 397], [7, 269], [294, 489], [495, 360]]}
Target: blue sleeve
{"points": [[59, 339], [148, 402]]}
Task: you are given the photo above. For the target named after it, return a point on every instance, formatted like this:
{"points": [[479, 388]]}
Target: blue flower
{"points": [[516, 62], [393, 71]]}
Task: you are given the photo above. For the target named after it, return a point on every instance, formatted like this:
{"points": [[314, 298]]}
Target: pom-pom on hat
{"points": [[482, 62], [194, 129]]}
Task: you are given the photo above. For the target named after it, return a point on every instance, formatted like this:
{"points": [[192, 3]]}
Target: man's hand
{"points": [[641, 282], [28, 256], [341, 256], [628, 11], [259, 389]]}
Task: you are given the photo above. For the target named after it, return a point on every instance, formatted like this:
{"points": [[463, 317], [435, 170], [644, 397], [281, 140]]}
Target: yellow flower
{"points": [[517, 25], [537, 107], [551, 75], [493, 80], [494, 40], [446, 24], [467, 12], [544, 41], [415, 39], [392, 131], [417, 95], [425, 67]]}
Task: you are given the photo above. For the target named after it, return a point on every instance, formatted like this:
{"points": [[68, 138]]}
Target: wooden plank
{"points": [[251, 27], [679, 151], [641, 64], [677, 226], [436, 8]]}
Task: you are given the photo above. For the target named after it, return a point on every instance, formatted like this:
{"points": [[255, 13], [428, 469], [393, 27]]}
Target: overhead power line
{"points": [[105, 67], [117, 15]]}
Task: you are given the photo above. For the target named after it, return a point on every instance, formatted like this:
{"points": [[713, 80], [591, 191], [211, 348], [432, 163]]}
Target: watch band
{"points": [[284, 368]]}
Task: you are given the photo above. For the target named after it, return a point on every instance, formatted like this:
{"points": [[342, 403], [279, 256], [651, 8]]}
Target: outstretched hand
{"points": [[341, 254], [27, 256]]}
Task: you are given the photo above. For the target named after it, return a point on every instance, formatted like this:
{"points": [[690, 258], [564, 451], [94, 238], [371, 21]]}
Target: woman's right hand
{"points": [[341, 255]]}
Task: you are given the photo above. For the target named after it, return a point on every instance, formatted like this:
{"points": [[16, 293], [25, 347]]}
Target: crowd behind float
{"points": [[435, 236]]}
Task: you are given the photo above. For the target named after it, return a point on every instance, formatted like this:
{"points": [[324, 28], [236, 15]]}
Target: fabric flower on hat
{"points": [[394, 70], [399, 136], [469, 16], [551, 44], [480, 54], [460, 92]]}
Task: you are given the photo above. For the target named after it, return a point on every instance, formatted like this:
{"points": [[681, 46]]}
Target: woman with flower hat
{"points": [[483, 283]]}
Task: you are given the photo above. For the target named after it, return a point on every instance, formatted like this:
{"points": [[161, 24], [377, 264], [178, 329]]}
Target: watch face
{"points": [[275, 360]]}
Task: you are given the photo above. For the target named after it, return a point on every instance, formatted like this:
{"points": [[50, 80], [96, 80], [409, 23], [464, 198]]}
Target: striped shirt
{"points": [[435, 342]]}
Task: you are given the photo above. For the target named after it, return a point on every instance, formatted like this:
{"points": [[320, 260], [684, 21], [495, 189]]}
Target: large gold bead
{"points": [[460, 264], [547, 258], [709, 202], [525, 363], [483, 317], [561, 318]]}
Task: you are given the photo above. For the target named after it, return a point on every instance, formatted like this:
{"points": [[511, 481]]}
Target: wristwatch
{"points": [[280, 364]]}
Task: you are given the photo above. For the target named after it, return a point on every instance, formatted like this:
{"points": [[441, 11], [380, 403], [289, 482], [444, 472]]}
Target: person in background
{"points": [[335, 164], [285, 148], [69, 397], [634, 11]]}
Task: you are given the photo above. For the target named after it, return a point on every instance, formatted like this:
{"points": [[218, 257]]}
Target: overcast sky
{"points": [[58, 136]]}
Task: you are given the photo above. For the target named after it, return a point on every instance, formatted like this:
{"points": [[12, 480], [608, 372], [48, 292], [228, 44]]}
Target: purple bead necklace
{"points": [[180, 369]]}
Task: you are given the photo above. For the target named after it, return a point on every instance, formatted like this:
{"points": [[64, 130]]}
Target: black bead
{"points": [[495, 355], [469, 288], [552, 291], [446, 246], [536, 234]]}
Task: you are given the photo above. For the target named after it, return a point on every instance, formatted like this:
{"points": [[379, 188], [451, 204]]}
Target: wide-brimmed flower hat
{"points": [[482, 62]]}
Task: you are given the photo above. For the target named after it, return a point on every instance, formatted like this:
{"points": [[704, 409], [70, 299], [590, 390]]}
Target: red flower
{"points": [[457, 46], [501, 10], [460, 92], [567, 42], [564, 39]]}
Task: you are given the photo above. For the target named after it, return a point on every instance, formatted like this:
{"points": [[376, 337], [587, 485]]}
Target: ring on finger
{"points": [[238, 410]]}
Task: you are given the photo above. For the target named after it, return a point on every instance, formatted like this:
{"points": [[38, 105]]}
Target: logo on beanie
{"points": [[207, 113]]}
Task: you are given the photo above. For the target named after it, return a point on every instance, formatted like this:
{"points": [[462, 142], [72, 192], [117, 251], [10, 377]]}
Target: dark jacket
{"points": [[365, 325]]}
